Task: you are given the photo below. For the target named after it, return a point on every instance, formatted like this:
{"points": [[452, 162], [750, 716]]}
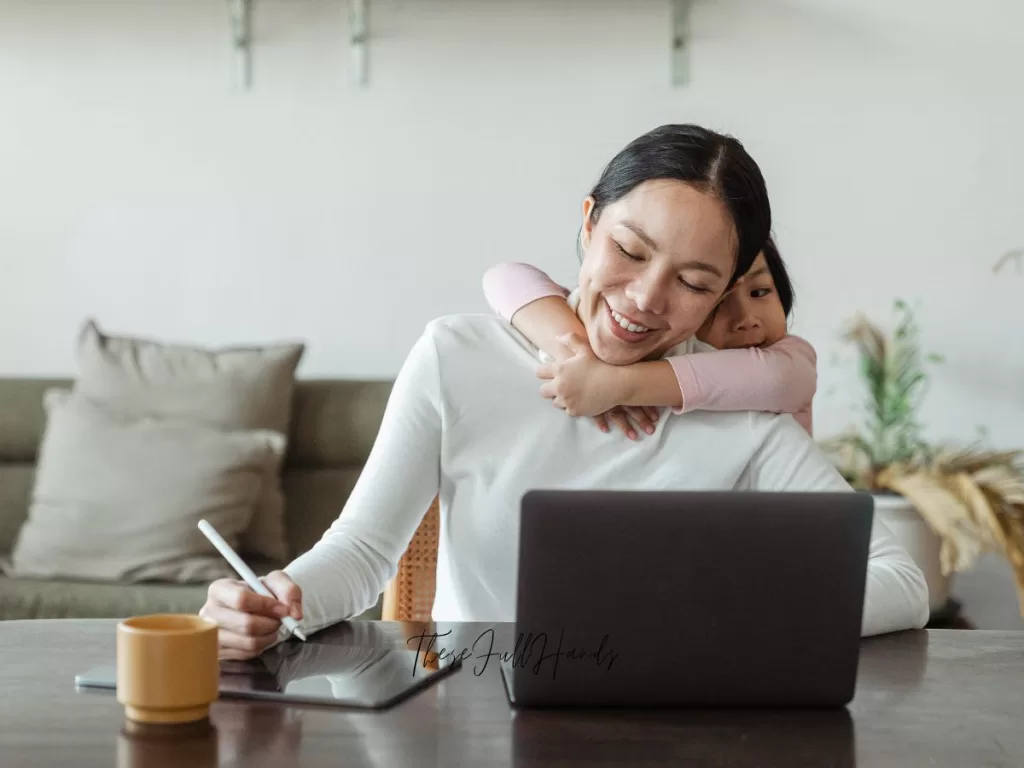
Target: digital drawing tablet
{"points": [[307, 673]]}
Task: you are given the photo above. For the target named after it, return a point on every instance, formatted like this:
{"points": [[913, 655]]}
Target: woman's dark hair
{"points": [[777, 268], [712, 162]]}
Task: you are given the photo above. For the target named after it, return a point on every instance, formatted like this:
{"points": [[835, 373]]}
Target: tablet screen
{"points": [[350, 676]]}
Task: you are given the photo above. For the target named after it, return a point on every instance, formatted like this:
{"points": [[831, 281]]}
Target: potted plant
{"points": [[946, 505]]}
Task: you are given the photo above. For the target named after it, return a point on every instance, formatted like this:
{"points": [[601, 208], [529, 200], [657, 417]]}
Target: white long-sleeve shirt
{"points": [[465, 420]]}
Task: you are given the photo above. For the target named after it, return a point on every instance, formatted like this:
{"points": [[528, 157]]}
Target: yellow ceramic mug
{"points": [[167, 668]]}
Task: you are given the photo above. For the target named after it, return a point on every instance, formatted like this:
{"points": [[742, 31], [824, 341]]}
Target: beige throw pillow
{"points": [[233, 388], [119, 499]]}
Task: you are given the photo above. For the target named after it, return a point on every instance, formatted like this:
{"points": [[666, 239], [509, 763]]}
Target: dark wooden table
{"points": [[929, 698]]}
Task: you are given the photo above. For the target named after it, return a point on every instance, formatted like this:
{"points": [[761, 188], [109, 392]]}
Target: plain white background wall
{"points": [[137, 188]]}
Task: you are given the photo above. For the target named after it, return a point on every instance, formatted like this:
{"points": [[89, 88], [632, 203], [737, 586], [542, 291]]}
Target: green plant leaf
{"points": [[894, 380]]}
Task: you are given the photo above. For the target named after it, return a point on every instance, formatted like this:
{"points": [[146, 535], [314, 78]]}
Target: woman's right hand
{"points": [[248, 621]]}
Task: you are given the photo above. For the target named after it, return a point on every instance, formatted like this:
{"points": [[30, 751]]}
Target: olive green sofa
{"points": [[334, 424]]}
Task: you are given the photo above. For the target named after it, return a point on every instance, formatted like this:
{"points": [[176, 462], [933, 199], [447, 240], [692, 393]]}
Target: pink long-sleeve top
{"points": [[781, 378]]}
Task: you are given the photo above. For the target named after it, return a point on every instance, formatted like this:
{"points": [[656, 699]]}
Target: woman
{"points": [[464, 419]]}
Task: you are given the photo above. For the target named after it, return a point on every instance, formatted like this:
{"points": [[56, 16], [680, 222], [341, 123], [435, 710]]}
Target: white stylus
{"points": [[245, 572]]}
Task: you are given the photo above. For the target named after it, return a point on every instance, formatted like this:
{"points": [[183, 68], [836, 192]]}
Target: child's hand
{"points": [[644, 417], [584, 385]]}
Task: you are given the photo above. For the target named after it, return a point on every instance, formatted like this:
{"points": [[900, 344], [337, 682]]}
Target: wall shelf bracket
{"points": [[1016, 256], [681, 41], [359, 39], [240, 12]]}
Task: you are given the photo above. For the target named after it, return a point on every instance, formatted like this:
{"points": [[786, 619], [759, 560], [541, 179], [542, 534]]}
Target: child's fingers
{"points": [[602, 422], [575, 344], [546, 371], [640, 417], [619, 419], [652, 413]]}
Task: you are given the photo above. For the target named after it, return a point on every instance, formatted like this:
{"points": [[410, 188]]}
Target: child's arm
{"points": [[534, 304], [781, 378], [653, 383], [805, 419]]}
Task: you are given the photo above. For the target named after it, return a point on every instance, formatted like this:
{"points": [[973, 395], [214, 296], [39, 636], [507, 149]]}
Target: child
{"points": [[755, 364]]}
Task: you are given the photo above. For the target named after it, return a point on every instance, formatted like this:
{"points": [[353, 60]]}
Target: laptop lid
{"points": [[713, 598]]}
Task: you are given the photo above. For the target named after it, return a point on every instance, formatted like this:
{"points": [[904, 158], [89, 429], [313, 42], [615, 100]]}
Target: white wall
{"points": [[137, 188]]}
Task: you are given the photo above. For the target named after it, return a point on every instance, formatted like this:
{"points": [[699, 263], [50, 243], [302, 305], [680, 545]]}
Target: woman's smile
{"points": [[625, 327]]}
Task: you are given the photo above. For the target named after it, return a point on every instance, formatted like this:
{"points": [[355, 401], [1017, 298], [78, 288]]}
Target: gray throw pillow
{"points": [[232, 388], [118, 498]]}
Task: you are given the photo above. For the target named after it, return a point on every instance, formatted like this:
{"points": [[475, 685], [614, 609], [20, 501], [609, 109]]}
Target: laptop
{"points": [[689, 599]]}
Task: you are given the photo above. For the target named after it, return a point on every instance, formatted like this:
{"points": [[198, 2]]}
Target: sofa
{"points": [[333, 426]]}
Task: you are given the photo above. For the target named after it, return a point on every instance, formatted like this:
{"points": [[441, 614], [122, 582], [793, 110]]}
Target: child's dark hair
{"points": [[777, 268]]}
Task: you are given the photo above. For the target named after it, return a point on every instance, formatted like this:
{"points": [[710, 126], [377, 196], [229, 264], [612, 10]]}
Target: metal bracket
{"points": [[241, 42], [1016, 255], [680, 41], [359, 35]]}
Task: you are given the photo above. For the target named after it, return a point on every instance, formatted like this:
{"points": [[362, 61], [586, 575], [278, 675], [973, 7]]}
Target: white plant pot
{"points": [[921, 542]]}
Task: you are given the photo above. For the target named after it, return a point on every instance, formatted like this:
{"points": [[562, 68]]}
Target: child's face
{"points": [[750, 315]]}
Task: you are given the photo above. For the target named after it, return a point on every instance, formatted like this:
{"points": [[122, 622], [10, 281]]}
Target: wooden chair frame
{"points": [[410, 595]]}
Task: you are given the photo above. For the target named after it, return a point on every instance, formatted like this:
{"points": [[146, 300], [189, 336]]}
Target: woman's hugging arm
{"points": [[346, 571]]}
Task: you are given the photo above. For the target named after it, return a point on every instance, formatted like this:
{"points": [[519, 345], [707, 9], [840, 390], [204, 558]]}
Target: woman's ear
{"points": [[587, 230]]}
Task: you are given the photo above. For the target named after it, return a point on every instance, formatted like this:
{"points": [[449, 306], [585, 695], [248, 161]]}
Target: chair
{"points": [[410, 595]]}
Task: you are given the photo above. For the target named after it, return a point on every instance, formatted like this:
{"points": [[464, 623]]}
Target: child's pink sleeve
{"points": [[511, 286], [781, 378]]}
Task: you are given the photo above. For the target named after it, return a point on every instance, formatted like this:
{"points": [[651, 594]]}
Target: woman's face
{"points": [[655, 264], [750, 315]]}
